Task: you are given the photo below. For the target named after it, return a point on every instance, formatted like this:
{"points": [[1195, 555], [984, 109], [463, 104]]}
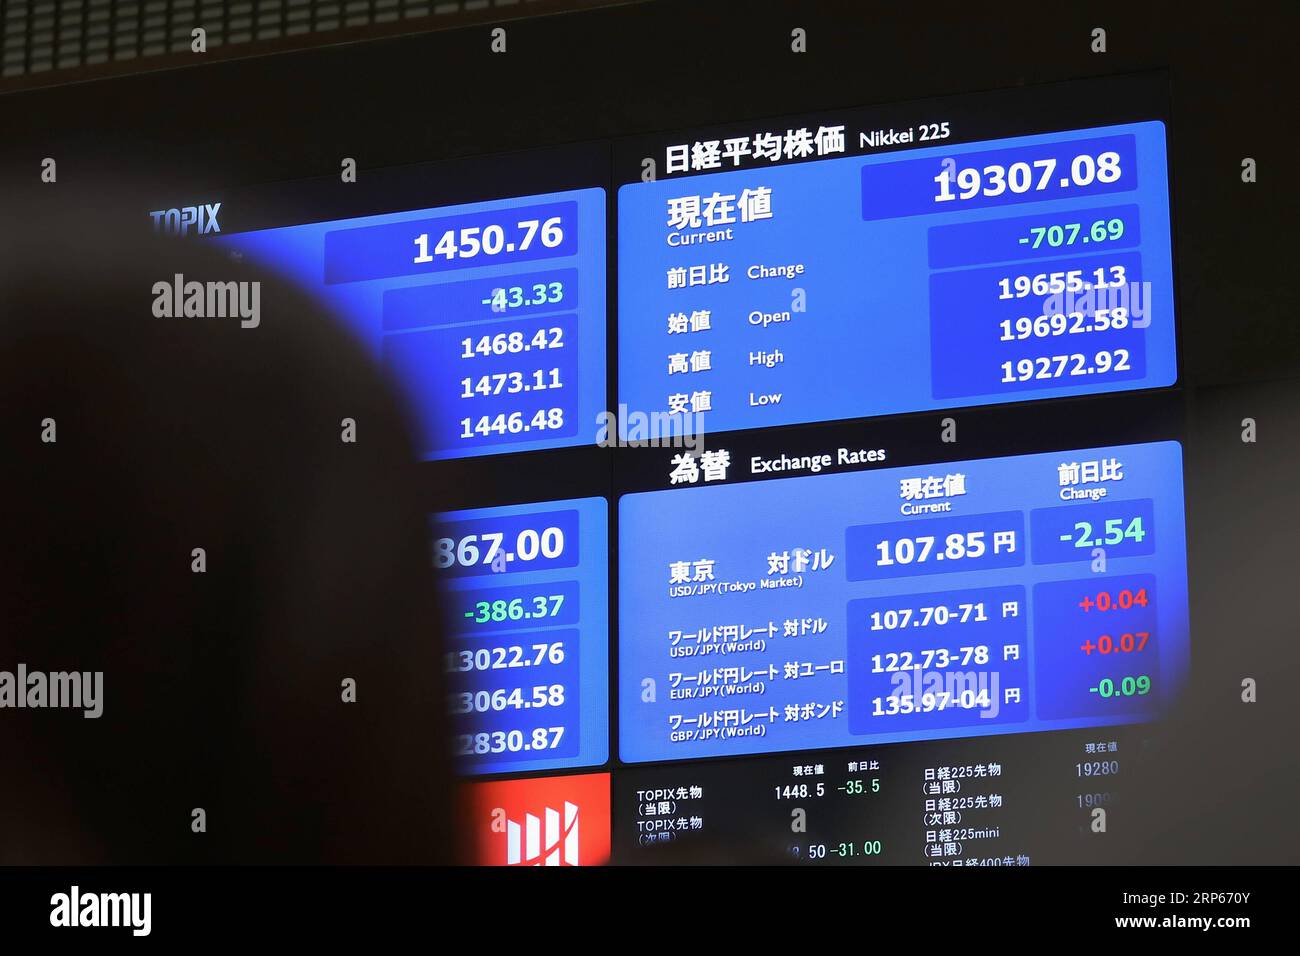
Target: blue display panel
{"points": [[1000, 595], [525, 588], [969, 274], [490, 315]]}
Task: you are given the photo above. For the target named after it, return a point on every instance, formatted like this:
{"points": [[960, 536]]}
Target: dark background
{"points": [[670, 65], [1225, 793]]}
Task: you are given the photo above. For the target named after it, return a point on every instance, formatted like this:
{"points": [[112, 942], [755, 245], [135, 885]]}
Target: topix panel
{"points": [[526, 595], [1036, 592], [490, 315], [1024, 267]]}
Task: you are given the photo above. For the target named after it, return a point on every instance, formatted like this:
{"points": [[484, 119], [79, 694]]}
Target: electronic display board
{"points": [[525, 591], [978, 597], [797, 612], [941, 275], [1014, 800], [490, 315]]}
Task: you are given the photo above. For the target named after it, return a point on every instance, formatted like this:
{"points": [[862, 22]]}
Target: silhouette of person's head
{"points": [[181, 513]]}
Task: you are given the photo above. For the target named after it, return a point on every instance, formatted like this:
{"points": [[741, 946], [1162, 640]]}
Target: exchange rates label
{"points": [[970, 274], [490, 315], [525, 591], [1037, 592]]}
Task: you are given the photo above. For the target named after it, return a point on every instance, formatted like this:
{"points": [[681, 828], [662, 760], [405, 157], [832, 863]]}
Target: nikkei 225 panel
{"points": [[490, 316], [896, 260]]}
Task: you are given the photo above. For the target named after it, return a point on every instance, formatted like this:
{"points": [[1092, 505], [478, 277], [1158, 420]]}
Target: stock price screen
{"points": [[490, 315], [526, 602], [976, 597], [929, 653], [984, 272]]}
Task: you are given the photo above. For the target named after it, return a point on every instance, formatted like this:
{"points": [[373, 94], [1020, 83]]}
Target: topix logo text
{"points": [[179, 222]]}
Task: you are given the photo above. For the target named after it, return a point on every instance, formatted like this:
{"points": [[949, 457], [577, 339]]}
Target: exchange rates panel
{"points": [[845, 286], [1028, 593], [489, 315], [525, 591]]}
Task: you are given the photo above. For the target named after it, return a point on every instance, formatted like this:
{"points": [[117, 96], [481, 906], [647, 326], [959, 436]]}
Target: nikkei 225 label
{"points": [[1001, 595], [525, 591], [491, 315], [966, 274]]}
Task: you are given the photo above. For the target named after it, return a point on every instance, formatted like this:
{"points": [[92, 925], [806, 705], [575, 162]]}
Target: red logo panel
{"points": [[545, 821]]}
